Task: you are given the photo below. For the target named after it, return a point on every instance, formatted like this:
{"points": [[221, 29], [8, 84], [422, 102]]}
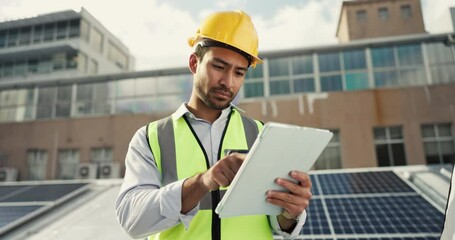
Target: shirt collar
{"points": [[183, 110]]}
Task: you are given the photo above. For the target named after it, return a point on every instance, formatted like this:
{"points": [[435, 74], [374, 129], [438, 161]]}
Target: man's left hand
{"points": [[298, 197]]}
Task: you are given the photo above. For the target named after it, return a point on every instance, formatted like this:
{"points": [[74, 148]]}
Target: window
{"points": [[302, 65], [63, 104], [354, 59], [74, 28], [38, 34], [24, 37], [329, 62], [304, 85], [405, 11], [383, 13], [103, 154], [2, 38], [410, 54], [254, 84], [330, 158], [382, 57], [48, 32], [356, 80], [61, 30], [279, 67], [68, 161], [13, 37], [389, 145], [438, 143], [361, 15], [46, 102], [331, 83], [37, 164]]}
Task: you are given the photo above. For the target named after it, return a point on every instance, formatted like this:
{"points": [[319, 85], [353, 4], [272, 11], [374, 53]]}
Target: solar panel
{"points": [[20, 203], [369, 205], [46, 192], [9, 214]]}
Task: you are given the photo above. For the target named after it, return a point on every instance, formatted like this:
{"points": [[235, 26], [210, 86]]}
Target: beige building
{"points": [[362, 19]]}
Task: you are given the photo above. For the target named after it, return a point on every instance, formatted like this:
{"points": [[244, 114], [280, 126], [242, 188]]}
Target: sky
{"points": [[156, 31]]}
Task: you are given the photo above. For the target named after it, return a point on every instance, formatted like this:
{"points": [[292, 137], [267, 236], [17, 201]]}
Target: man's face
{"points": [[219, 77]]}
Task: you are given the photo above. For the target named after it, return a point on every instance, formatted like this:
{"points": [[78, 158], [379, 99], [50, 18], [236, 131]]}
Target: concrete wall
{"points": [[354, 114]]}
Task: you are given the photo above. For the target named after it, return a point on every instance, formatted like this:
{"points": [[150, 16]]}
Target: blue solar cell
{"points": [[46, 192], [314, 189], [361, 182], [9, 214], [316, 222], [377, 215]]}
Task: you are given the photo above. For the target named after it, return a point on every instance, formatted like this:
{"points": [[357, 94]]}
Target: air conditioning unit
{"points": [[109, 170], [86, 171], [8, 174]]}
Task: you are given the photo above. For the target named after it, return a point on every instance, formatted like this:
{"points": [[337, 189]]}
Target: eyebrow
{"points": [[228, 64]]}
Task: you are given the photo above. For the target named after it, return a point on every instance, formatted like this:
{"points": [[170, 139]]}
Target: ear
{"points": [[193, 62]]}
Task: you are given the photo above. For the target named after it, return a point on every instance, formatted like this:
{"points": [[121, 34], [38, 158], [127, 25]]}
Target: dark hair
{"points": [[201, 51], [203, 47]]}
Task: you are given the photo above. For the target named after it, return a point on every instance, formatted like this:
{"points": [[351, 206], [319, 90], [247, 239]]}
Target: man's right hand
{"points": [[223, 172]]}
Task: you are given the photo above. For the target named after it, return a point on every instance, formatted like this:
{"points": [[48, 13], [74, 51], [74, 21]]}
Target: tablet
{"points": [[279, 149]]}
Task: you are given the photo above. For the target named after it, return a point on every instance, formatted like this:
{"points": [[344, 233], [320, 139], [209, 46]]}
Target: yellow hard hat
{"points": [[233, 28]]}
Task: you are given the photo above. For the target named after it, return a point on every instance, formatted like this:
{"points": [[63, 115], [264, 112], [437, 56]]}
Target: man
{"points": [[176, 168]]}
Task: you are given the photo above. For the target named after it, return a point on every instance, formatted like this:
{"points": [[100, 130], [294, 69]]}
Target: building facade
{"points": [[362, 19], [389, 102], [59, 45]]}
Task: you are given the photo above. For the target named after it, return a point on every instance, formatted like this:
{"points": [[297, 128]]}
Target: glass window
{"points": [[438, 143], [37, 164], [410, 55], [32, 65], [58, 61], [304, 85], [61, 29], [361, 15], [386, 78], [443, 74], [166, 85], [329, 62], [71, 60], [383, 13], [409, 77], [25, 35], [255, 72], [280, 87], [2, 38], [45, 65], [49, 30], [354, 59], [439, 52], [74, 28], [253, 89], [68, 162], [82, 62], [389, 144], [405, 11], [103, 154], [38, 33], [8, 69], [356, 81], [331, 83], [13, 36], [330, 158], [302, 65], [279, 67], [383, 57], [63, 103], [20, 68], [46, 102]]}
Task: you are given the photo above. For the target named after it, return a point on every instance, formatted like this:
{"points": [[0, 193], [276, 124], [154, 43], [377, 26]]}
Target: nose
{"points": [[228, 79]]}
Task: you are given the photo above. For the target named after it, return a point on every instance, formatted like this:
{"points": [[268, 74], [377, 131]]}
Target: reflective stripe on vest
{"points": [[171, 152]]}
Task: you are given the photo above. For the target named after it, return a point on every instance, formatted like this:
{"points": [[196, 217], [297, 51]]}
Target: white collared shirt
{"points": [[143, 207]]}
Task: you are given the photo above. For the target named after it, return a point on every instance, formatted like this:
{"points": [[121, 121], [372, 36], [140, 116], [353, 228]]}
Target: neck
{"points": [[201, 110]]}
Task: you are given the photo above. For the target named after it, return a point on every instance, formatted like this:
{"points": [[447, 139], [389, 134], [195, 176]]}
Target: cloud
{"points": [[156, 31]]}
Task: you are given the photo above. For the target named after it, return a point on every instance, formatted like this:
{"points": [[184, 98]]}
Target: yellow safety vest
{"points": [[173, 143]]}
